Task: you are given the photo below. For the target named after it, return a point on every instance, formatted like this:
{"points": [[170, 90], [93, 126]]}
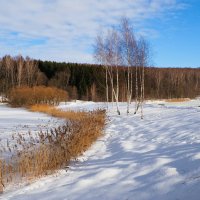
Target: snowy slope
{"points": [[154, 158]]}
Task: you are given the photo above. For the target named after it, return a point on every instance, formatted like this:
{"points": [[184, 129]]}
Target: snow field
{"points": [[154, 158], [14, 121]]}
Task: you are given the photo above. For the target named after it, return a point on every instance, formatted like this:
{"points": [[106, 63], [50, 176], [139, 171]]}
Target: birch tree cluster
{"points": [[120, 47], [19, 71]]}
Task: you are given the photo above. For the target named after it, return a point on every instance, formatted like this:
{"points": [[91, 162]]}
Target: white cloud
{"points": [[68, 27]]}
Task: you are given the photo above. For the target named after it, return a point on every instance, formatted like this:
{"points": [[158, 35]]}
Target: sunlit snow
{"points": [[154, 158]]}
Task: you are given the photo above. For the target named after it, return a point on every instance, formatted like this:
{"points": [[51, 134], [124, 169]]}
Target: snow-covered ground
{"points": [[19, 120], [154, 158]]}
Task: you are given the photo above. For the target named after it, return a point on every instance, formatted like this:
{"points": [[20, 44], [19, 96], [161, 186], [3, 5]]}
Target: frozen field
{"points": [[154, 158], [18, 120]]}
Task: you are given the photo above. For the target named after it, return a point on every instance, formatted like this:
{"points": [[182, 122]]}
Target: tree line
{"points": [[87, 81]]}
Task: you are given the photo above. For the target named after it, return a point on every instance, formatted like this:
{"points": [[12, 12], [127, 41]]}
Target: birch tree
{"points": [[107, 51], [129, 51], [20, 70], [31, 71], [120, 47], [100, 56], [143, 53]]}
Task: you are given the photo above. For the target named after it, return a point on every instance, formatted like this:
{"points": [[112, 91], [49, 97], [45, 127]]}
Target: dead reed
{"points": [[174, 100], [51, 110], [26, 96], [44, 153]]}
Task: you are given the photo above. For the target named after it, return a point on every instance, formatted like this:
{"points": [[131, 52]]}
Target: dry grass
{"points": [[51, 110], [26, 96], [174, 100], [46, 152]]}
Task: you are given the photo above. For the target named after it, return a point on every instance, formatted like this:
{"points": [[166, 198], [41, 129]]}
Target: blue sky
{"points": [[64, 30]]}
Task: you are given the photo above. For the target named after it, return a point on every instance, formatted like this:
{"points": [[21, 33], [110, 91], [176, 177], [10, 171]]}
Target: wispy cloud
{"points": [[65, 29]]}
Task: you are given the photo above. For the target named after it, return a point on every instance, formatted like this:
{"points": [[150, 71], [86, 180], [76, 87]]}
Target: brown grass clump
{"points": [[1, 176], [26, 96], [174, 100], [48, 151], [51, 110]]}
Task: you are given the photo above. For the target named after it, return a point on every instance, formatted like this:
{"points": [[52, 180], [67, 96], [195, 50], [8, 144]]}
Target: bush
{"points": [[27, 96]]}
